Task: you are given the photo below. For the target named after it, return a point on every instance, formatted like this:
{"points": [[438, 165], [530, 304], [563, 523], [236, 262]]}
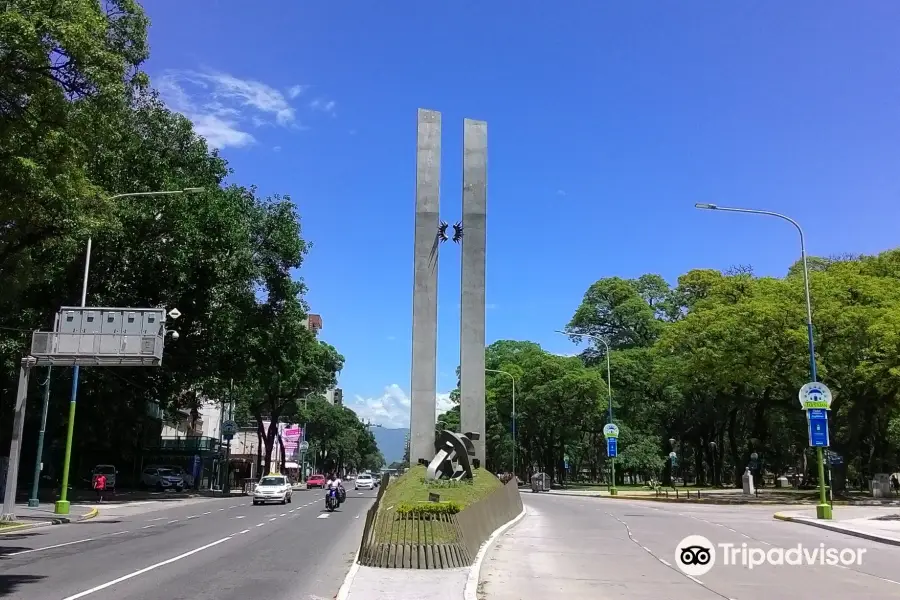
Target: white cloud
{"points": [[296, 90], [276, 149], [326, 106], [560, 192], [391, 338], [391, 409], [221, 105]]}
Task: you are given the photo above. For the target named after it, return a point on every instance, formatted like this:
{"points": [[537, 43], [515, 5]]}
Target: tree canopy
{"points": [[80, 124], [713, 363]]}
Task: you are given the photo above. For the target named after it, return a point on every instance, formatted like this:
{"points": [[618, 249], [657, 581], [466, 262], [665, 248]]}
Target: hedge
{"points": [[409, 509]]}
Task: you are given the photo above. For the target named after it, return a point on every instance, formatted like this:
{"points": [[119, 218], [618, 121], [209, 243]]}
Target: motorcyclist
{"points": [[335, 483]]}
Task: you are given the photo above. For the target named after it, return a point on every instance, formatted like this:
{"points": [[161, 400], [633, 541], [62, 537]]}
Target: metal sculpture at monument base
{"points": [[454, 456]]}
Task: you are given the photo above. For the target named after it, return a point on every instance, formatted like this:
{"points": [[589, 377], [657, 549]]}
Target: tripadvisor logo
{"points": [[695, 555]]}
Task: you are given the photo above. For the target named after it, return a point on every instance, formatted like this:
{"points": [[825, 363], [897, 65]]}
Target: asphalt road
{"points": [[589, 548], [197, 549]]}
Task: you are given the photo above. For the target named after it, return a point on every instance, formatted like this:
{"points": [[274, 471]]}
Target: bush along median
{"points": [[422, 524]]}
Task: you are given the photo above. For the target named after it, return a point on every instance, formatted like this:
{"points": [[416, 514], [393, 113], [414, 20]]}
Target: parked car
{"points": [[365, 481], [187, 477], [316, 481], [162, 479], [110, 472], [272, 488]]}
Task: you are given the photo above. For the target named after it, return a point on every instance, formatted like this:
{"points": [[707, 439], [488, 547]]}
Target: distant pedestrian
{"points": [[100, 485], [895, 483]]}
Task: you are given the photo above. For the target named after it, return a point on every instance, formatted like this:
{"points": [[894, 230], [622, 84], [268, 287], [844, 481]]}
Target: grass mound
{"points": [[412, 488], [405, 515]]}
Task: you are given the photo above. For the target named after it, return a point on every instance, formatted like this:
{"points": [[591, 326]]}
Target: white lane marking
{"points": [[118, 533], [48, 547], [356, 517], [209, 512], [221, 509], [283, 515], [323, 516], [172, 521], [745, 535], [193, 516], [146, 569], [272, 519], [147, 526], [646, 548], [157, 519], [260, 524], [668, 564], [244, 531], [241, 517]]}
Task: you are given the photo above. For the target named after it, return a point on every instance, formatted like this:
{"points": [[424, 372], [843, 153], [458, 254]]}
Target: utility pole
{"points": [[34, 501]]}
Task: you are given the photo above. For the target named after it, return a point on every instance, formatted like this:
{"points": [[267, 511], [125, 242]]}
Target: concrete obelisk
{"points": [[423, 386], [472, 326]]}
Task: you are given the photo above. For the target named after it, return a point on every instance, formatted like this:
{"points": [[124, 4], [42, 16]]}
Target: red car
{"points": [[315, 481]]}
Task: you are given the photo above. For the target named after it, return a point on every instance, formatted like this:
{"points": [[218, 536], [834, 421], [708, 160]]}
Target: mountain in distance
{"points": [[391, 443]]}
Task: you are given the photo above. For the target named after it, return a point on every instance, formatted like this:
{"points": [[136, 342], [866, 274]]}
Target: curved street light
{"points": [[515, 435], [612, 462], [823, 509], [61, 507]]}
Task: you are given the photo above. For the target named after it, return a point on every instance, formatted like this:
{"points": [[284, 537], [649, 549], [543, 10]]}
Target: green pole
{"points": [[62, 505], [612, 474], [823, 509]]}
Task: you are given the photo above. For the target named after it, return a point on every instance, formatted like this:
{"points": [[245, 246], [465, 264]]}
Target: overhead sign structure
{"points": [[815, 395], [817, 418], [610, 430], [612, 447]]}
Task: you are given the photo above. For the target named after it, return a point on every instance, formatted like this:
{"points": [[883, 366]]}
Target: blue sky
{"points": [[606, 122]]}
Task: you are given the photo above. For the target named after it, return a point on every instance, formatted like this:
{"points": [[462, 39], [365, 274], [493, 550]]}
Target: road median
{"points": [[883, 528]]}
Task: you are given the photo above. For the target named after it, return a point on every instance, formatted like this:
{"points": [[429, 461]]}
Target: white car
{"points": [[365, 481], [272, 488], [162, 479]]}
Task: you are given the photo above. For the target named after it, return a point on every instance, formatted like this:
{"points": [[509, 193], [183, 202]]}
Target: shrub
{"points": [[427, 509], [445, 483]]}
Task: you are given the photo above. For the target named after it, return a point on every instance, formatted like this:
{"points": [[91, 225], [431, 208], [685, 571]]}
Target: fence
{"points": [[425, 541]]}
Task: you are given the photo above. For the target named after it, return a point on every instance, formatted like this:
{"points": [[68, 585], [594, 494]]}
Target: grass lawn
{"points": [[412, 488]]}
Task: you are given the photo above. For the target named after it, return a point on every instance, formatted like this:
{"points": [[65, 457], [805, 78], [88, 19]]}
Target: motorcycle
{"points": [[342, 495], [332, 500]]}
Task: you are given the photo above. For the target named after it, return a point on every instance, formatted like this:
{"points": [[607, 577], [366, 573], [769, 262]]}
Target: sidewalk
{"points": [[371, 583], [871, 523]]}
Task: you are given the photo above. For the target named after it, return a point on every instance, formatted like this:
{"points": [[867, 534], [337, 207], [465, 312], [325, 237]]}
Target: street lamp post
{"points": [[515, 436], [823, 509], [62, 505], [612, 461]]}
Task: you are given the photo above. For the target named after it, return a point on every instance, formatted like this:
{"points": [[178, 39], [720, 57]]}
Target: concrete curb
{"points": [[839, 529], [471, 591], [90, 514], [693, 500], [34, 525]]}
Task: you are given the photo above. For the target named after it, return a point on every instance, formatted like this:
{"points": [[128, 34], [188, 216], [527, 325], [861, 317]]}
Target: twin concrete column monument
{"points": [[430, 233]]}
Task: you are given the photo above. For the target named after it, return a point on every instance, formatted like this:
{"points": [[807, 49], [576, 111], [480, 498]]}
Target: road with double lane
{"points": [[198, 549]]}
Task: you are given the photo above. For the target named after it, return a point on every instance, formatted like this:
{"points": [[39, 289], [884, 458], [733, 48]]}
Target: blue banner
{"points": [[818, 427], [612, 447]]}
